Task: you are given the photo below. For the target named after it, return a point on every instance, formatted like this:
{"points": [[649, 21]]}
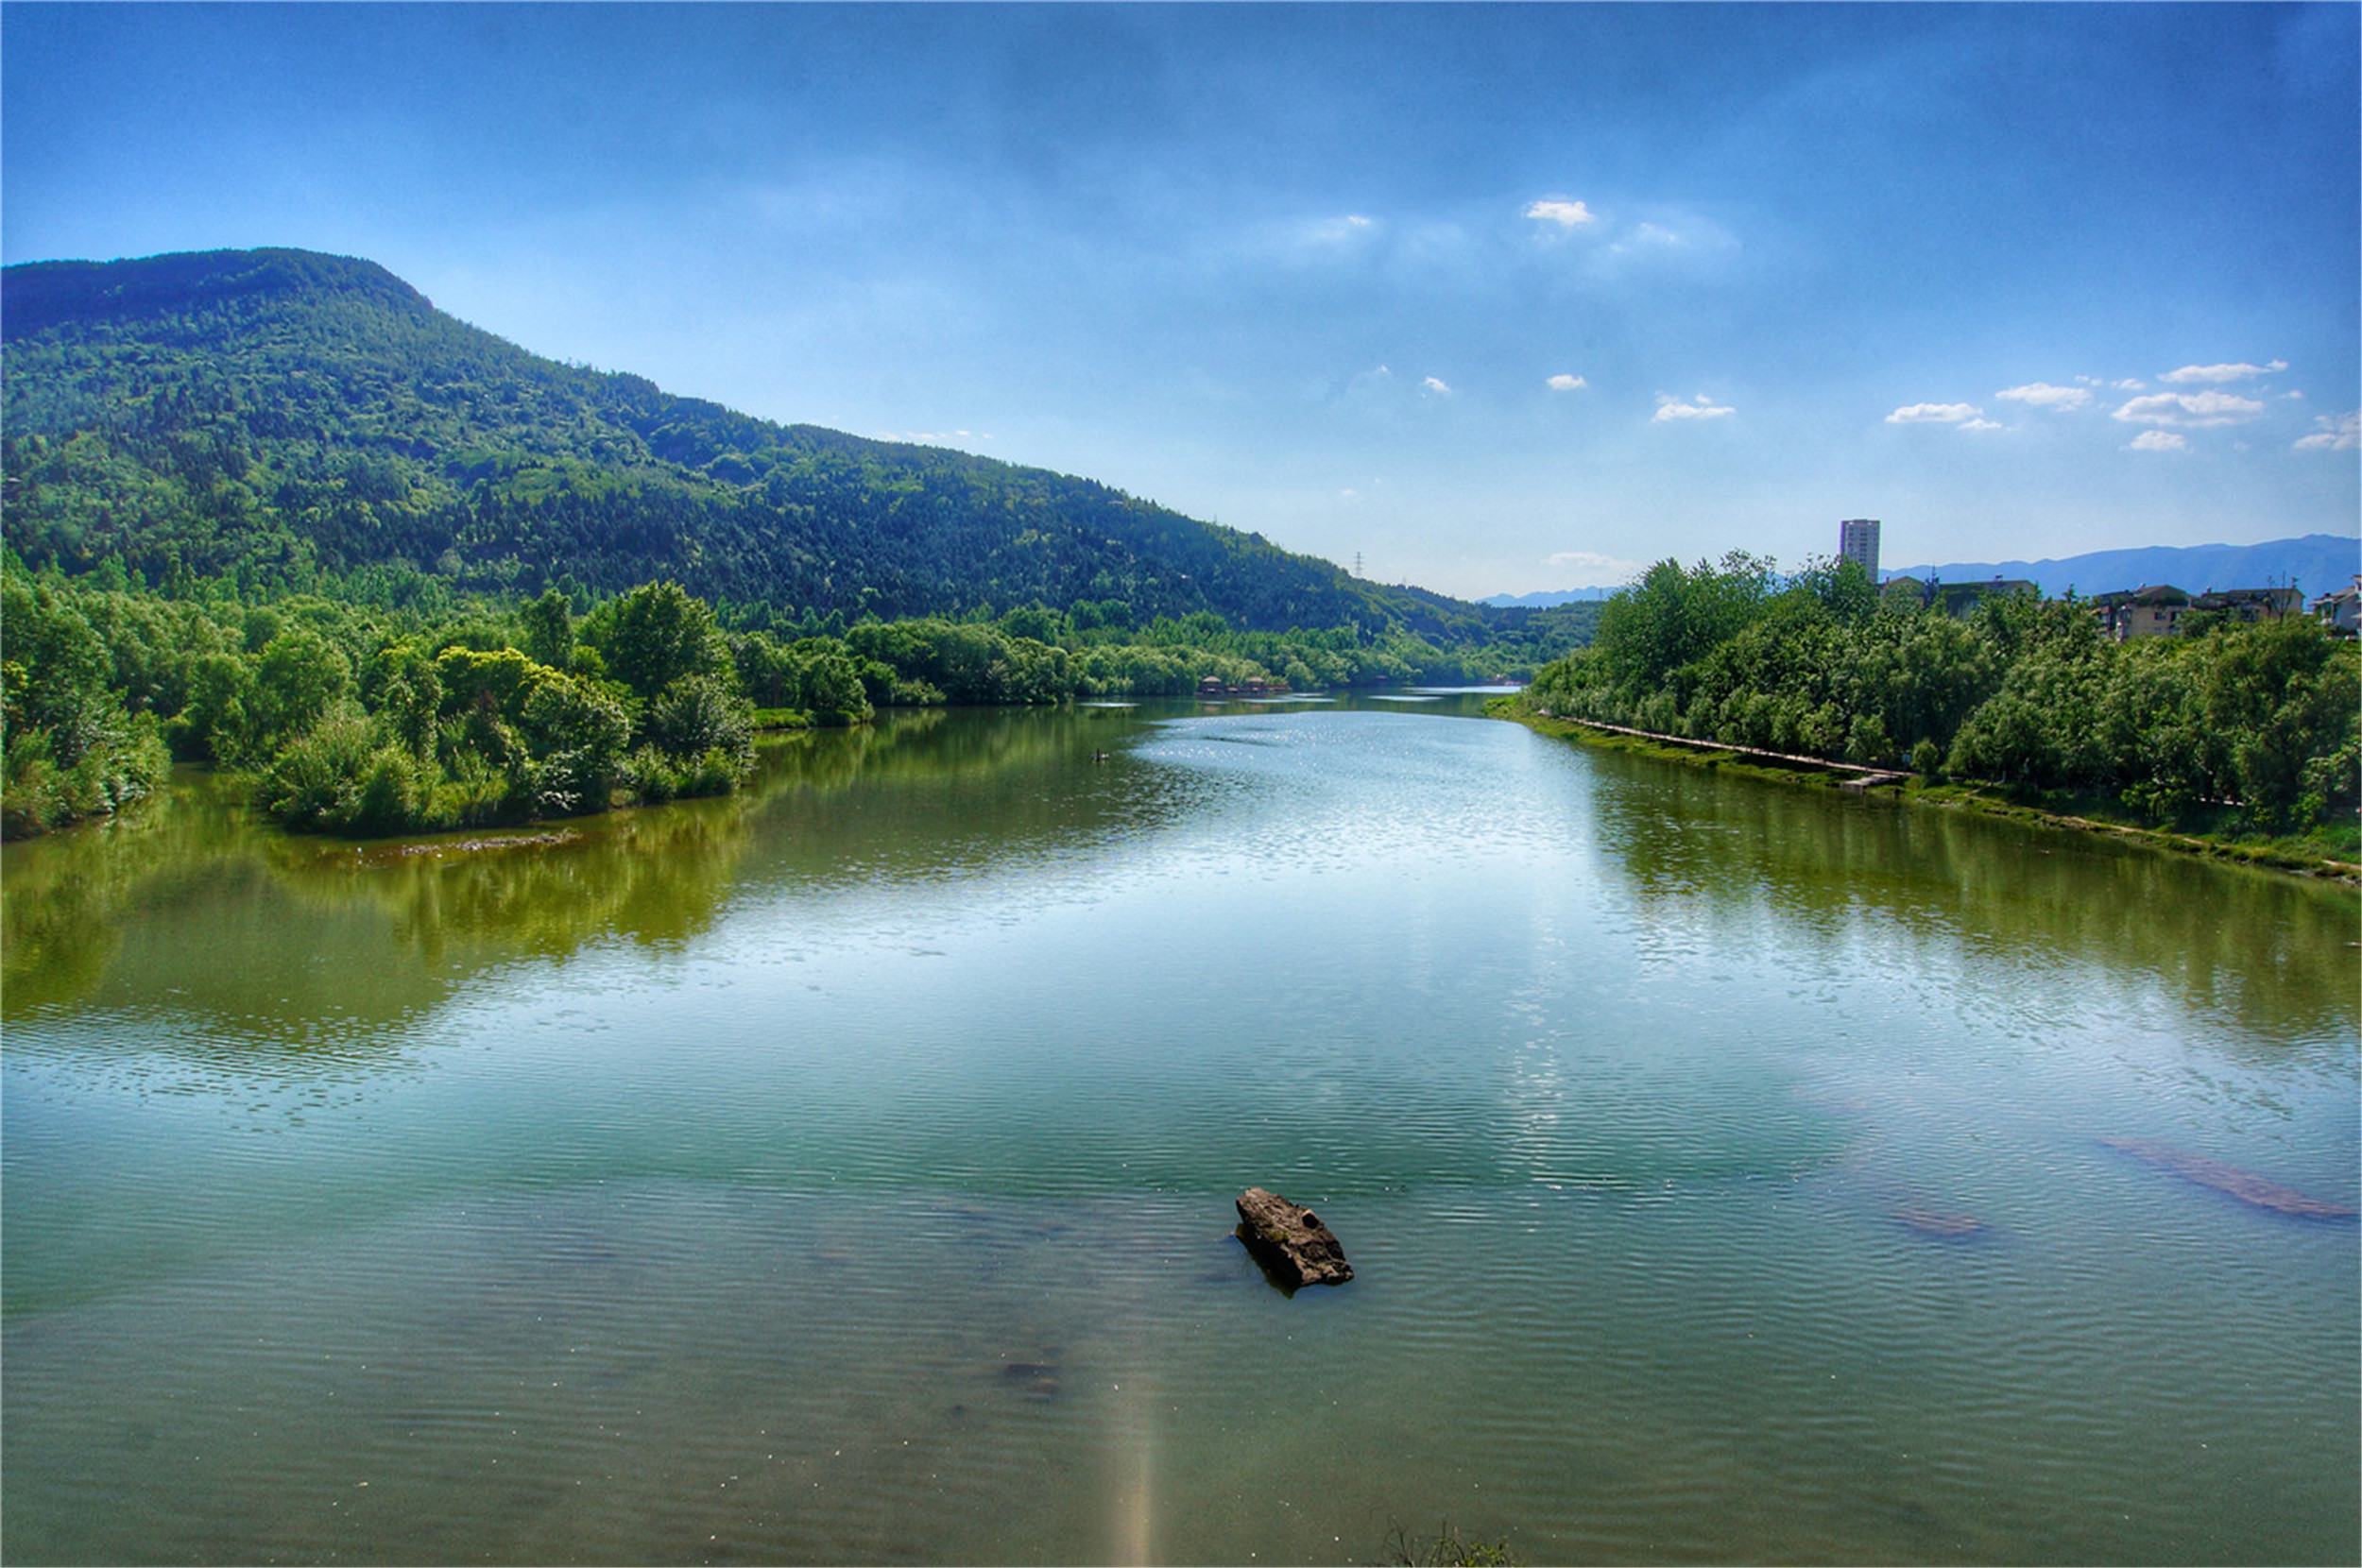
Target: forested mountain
{"points": [[296, 421]]}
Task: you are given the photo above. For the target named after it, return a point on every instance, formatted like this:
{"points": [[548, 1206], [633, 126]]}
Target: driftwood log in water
{"points": [[2246, 1186], [1289, 1241]]}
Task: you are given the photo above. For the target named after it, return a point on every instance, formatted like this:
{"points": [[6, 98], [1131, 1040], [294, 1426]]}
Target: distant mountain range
{"points": [[1546, 601], [2316, 563]]}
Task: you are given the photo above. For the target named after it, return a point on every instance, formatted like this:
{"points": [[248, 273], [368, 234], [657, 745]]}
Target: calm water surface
{"points": [[841, 1173]]}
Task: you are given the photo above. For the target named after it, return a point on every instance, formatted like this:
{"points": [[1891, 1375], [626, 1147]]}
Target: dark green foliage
{"points": [[701, 713], [2249, 728], [655, 636], [2260, 718], [548, 626], [344, 719], [1672, 617], [69, 748]]}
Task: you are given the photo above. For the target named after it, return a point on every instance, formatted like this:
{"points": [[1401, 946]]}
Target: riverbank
{"points": [[2297, 856]]}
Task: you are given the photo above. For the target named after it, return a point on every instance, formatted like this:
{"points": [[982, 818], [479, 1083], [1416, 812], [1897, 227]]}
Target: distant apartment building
{"points": [[2155, 611], [2340, 611], [1857, 541], [2162, 610]]}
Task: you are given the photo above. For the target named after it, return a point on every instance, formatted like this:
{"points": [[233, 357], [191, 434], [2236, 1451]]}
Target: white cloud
{"points": [[1935, 413], [2194, 409], [1567, 383], [2041, 393], [1599, 567], [2159, 440], [1331, 231], [927, 437], [1673, 238], [1669, 408], [1984, 424], [2339, 432], [1434, 384], [1567, 214], [2131, 384], [2209, 373]]}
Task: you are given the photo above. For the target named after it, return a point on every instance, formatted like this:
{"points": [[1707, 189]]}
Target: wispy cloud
{"points": [[1336, 230], [1567, 214], [1935, 413], [2216, 373], [2193, 409], [1670, 408], [2159, 440], [1984, 424], [2042, 394], [1673, 235], [2339, 432], [927, 437], [1567, 383], [1435, 385], [1591, 564]]}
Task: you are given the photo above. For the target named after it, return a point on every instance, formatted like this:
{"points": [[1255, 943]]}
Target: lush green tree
{"points": [[1672, 617], [579, 733], [549, 629], [655, 634], [829, 683], [406, 690], [300, 676], [702, 713], [1038, 622], [68, 749]]}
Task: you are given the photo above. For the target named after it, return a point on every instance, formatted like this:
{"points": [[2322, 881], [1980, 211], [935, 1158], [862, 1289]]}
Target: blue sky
{"points": [[1499, 299]]}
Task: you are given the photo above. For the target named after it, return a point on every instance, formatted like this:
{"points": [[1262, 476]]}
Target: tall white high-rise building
{"points": [[1858, 540]]}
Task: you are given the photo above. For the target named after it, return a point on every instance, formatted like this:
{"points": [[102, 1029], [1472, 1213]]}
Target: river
{"points": [[843, 1171]]}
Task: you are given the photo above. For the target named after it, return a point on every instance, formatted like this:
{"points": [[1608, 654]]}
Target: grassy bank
{"points": [[2332, 853]]}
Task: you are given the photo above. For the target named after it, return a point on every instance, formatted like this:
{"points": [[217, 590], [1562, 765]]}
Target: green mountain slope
{"points": [[278, 415]]}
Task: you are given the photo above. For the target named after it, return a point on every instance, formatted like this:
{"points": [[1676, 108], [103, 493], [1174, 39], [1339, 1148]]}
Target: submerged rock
{"points": [[1289, 1241], [1032, 1379], [2246, 1186], [1943, 1227]]}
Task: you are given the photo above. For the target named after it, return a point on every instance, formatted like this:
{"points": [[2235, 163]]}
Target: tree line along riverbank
{"points": [[2239, 739], [375, 718]]}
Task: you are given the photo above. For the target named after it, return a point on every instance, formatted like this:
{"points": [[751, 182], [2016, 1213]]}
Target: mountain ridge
{"points": [[2318, 563], [280, 416]]}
